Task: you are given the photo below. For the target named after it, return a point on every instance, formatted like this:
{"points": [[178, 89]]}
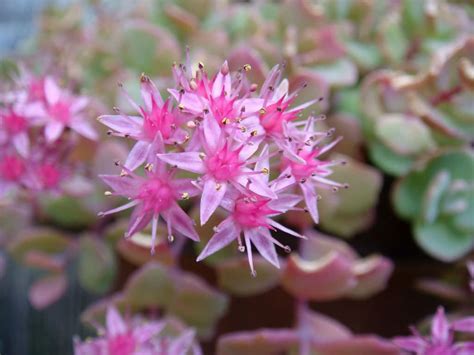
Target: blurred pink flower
{"points": [[441, 341], [136, 338]]}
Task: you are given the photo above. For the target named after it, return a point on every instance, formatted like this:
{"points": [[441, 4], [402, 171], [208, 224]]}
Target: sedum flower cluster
{"points": [[230, 144], [38, 120]]}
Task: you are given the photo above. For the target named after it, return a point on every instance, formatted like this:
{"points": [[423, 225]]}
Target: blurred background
{"points": [[396, 78]]}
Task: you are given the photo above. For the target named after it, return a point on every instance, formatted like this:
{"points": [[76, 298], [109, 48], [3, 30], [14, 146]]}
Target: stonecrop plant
{"points": [[232, 145]]}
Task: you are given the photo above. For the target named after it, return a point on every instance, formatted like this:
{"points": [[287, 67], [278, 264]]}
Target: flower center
{"points": [[60, 111], [122, 344], [224, 165], [272, 117], [304, 171], [158, 120], [222, 109], [36, 90], [11, 168], [14, 123], [252, 212], [156, 195]]}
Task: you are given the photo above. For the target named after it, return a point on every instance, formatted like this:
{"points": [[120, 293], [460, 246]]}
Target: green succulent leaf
{"points": [[97, 265], [442, 241], [433, 196], [234, 277], [68, 212], [388, 161]]}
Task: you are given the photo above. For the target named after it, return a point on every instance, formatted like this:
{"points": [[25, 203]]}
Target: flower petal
{"points": [[311, 199], [181, 222], [226, 233], [212, 195], [137, 155], [115, 322], [53, 130], [264, 245], [123, 124], [190, 161], [440, 326]]}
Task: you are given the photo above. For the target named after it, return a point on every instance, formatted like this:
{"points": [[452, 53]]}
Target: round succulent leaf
{"points": [[326, 278], [409, 191], [389, 161], [234, 278], [463, 219], [339, 73], [45, 240], [403, 134], [364, 182], [197, 303], [372, 275], [391, 40], [68, 212], [442, 241], [346, 225], [433, 196], [47, 290], [97, 265], [323, 327], [152, 285], [262, 342]]}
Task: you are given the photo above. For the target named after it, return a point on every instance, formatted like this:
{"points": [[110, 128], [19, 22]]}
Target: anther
{"points": [[247, 67], [218, 186], [241, 248], [148, 166], [201, 65], [107, 193], [265, 171], [335, 189], [262, 111], [181, 107], [253, 133], [225, 121], [202, 155], [171, 238], [287, 249], [191, 124]]}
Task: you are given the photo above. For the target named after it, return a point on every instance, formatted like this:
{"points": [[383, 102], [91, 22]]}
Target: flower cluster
{"points": [[139, 338], [441, 340], [222, 139], [33, 141]]}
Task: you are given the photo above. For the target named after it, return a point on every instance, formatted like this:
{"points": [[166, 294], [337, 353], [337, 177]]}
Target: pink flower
{"points": [[222, 165], [251, 215], [12, 172], [441, 341], [157, 116], [310, 174], [64, 110], [154, 195], [136, 338]]}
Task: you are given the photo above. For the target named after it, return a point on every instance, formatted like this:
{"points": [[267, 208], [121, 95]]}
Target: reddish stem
{"points": [[446, 96]]}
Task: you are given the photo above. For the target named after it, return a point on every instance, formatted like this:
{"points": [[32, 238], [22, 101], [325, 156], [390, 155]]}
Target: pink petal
{"points": [[265, 246], [53, 130], [190, 102], [414, 344], [464, 325], [440, 326], [138, 220], [466, 348], [284, 202], [263, 164], [212, 134], [183, 343], [84, 129], [226, 233], [79, 104], [137, 155], [145, 332], [122, 184], [115, 323], [181, 222], [211, 198], [22, 144], [124, 124], [258, 185], [51, 91], [311, 199], [190, 161], [150, 93]]}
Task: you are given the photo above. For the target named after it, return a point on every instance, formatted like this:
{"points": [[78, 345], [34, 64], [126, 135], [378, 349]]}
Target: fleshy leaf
{"points": [[97, 265], [47, 291], [372, 276], [233, 276], [150, 286]]}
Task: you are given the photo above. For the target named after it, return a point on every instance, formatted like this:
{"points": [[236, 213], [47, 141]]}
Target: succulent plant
{"points": [[438, 197]]}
